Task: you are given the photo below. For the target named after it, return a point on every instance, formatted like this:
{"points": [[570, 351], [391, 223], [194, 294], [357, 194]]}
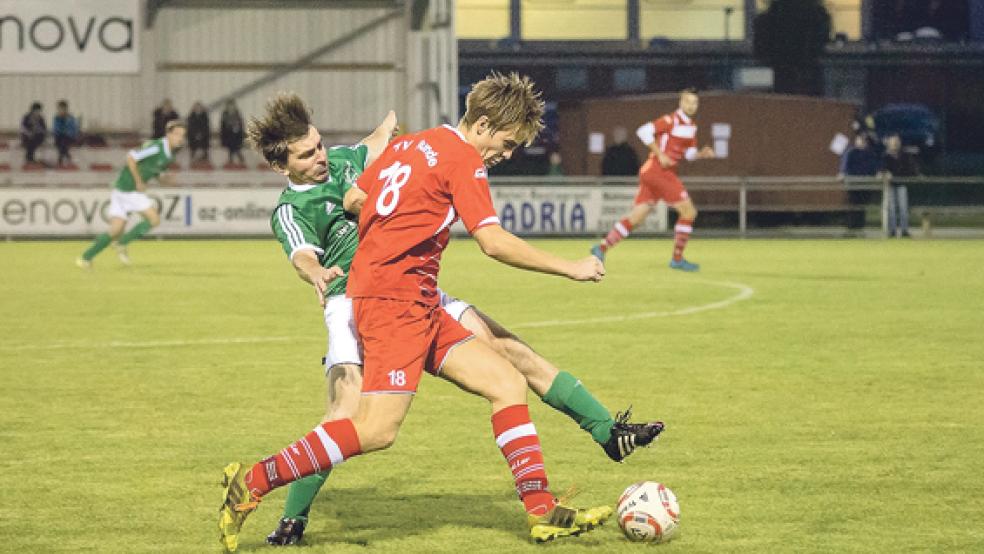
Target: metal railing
{"points": [[743, 186]]}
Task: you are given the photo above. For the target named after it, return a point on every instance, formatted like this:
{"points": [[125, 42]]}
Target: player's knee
{"points": [[510, 388], [376, 435], [154, 220]]}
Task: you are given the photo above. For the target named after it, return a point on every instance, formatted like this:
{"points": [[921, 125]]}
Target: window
{"points": [[630, 79], [572, 78]]}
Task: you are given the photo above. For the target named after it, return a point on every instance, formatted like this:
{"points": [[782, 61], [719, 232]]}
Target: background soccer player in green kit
{"points": [[320, 237], [129, 193]]}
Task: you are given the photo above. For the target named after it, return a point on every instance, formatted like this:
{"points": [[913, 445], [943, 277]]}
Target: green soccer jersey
{"points": [[311, 217], [152, 159]]}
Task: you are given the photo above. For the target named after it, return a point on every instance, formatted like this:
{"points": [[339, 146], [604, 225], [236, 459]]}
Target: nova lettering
{"points": [[48, 32]]}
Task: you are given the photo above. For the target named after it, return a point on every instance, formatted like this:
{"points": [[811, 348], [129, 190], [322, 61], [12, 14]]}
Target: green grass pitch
{"points": [[840, 407]]}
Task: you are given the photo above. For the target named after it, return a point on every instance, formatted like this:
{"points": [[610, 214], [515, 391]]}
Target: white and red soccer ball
{"points": [[648, 512]]}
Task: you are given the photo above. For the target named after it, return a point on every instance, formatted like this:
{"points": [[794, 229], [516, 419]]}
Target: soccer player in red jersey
{"points": [[418, 187], [671, 138]]}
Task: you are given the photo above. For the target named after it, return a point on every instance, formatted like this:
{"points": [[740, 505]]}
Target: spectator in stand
{"points": [[898, 162], [620, 158], [32, 133], [65, 129], [162, 114], [233, 133], [859, 161], [199, 134], [556, 167]]}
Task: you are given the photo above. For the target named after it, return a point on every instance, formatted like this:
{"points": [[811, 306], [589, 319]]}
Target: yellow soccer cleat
{"points": [[563, 521], [236, 505]]}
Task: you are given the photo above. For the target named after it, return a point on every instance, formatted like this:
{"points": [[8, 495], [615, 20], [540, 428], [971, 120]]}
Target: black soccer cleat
{"points": [[288, 532], [626, 437]]}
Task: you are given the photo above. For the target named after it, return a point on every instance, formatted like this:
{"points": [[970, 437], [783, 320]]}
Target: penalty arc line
{"points": [[744, 293]]}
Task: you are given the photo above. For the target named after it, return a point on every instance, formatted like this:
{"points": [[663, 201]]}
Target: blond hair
{"points": [[509, 102], [286, 120]]}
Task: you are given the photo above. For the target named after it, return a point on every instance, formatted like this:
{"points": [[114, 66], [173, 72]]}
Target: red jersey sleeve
{"points": [[470, 196], [663, 125]]}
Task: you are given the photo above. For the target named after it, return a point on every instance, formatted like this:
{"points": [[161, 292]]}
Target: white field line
{"points": [[97, 345], [744, 293]]}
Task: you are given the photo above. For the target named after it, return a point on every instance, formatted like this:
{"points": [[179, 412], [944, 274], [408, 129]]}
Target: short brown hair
{"points": [[510, 102], [286, 120], [174, 124]]}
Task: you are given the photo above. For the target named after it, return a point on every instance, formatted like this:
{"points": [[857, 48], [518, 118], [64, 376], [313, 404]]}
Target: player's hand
{"points": [[322, 277], [588, 269], [391, 122], [706, 153], [664, 160]]}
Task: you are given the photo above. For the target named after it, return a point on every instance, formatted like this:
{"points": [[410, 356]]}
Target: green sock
{"points": [[301, 495], [133, 234], [97, 246], [568, 395]]}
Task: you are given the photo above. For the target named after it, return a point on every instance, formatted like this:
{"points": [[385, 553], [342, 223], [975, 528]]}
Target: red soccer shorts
{"points": [[658, 183], [402, 339]]}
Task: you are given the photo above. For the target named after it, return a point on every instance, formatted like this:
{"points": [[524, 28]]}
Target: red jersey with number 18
{"points": [[420, 185]]}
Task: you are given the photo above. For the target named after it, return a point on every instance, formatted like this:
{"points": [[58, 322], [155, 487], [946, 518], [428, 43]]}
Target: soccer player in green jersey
{"points": [[129, 193], [316, 223]]}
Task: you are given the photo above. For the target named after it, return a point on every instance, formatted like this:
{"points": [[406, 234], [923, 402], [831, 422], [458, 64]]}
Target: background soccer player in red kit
{"points": [[420, 185], [671, 138]]}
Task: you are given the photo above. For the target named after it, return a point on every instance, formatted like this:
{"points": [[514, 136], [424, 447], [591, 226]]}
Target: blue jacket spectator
{"points": [[65, 129]]}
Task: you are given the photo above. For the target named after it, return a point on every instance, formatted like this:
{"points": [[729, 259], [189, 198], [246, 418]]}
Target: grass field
{"points": [[840, 407]]}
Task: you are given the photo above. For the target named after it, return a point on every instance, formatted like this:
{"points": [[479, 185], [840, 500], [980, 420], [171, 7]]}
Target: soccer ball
{"points": [[648, 512]]}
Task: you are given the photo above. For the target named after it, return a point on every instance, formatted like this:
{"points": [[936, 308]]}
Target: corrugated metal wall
{"points": [[349, 88], [205, 54]]}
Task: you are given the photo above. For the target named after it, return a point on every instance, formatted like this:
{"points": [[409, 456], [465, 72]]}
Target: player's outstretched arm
{"points": [[501, 245], [309, 268], [380, 137]]}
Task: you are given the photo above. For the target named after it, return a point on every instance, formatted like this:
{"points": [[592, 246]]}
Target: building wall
{"points": [[771, 135], [206, 54], [606, 19]]}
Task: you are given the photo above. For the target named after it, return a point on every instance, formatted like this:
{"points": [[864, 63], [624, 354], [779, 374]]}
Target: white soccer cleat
{"points": [[83, 263], [121, 253]]}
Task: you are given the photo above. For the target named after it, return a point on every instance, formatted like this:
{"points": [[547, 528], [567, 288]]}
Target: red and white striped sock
{"points": [[619, 231], [516, 437], [682, 232], [327, 446]]}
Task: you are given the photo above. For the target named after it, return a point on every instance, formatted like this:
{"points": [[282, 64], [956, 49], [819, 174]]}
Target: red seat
{"points": [[201, 165], [67, 167], [4, 167], [228, 166], [100, 167], [33, 166]]}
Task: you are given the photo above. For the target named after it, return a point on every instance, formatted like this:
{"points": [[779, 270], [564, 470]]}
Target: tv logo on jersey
{"points": [[481, 173]]}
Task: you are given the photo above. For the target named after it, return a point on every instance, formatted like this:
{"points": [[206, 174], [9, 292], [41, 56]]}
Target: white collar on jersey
{"points": [[299, 188], [455, 131], [167, 147], [684, 117]]}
